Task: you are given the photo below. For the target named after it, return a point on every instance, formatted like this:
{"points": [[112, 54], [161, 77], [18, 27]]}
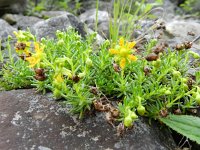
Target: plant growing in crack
{"points": [[118, 78]]}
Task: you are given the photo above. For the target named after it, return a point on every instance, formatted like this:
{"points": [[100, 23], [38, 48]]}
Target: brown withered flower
{"points": [[94, 90], [187, 44], [120, 129], [164, 113], [184, 45], [147, 70], [76, 78], [190, 82], [152, 57], [178, 111], [161, 25], [39, 71], [20, 46], [160, 48], [40, 74], [191, 33], [40, 78], [114, 112], [116, 67]]}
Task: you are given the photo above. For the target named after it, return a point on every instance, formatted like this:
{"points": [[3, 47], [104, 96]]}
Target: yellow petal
{"points": [[28, 44], [38, 47], [121, 41], [132, 57], [113, 51], [59, 78], [32, 61], [131, 44], [122, 63]]}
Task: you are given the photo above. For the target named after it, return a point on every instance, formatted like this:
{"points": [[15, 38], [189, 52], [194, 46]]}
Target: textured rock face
{"points": [[5, 29], [21, 22], [48, 27], [180, 28], [33, 121], [89, 18]]}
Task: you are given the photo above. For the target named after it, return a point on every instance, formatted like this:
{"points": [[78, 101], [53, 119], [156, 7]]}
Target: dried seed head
{"points": [[98, 105], [109, 118], [147, 70], [20, 46], [76, 78], [94, 90], [151, 57], [179, 47], [191, 33], [193, 110], [39, 71], [116, 67], [178, 111], [184, 45], [160, 48], [114, 112], [163, 113], [161, 25], [40, 78], [120, 129], [23, 56], [187, 44], [190, 82]]}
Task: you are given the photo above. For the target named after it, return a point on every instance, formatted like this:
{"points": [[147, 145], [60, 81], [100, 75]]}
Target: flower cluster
{"points": [[123, 52], [35, 58]]}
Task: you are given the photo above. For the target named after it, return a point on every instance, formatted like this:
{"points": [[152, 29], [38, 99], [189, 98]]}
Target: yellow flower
{"points": [[58, 78], [36, 58], [58, 81], [123, 52]]}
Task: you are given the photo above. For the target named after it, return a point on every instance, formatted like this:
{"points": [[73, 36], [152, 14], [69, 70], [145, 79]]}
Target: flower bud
{"points": [[89, 62], [184, 80], [174, 62], [67, 72], [156, 63], [81, 75], [60, 42], [43, 39], [167, 92], [128, 121], [176, 73], [141, 110], [197, 98], [133, 115], [185, 86], [57, 93]]}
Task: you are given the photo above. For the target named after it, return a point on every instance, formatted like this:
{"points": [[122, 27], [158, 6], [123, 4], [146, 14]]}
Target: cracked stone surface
{"points": [[32, 121]]}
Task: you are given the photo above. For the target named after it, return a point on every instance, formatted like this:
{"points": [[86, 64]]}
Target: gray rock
{"points": [[5, 29], [21, 22], [50, 14], [99, 38], [168, 12], [104, 5], [180, 28], [89, 18], [32, 121], [48, 27]]}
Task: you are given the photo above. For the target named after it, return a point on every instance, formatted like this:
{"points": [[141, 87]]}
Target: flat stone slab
{"points": [[35, 122]]}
